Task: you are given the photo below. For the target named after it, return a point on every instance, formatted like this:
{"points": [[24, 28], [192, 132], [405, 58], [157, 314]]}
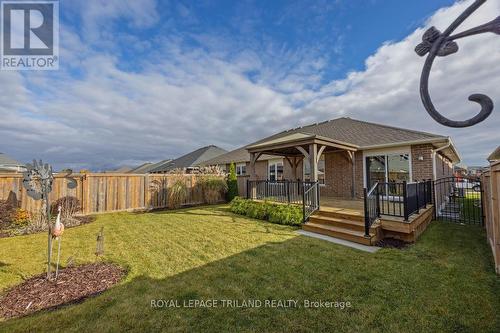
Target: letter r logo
{"points": [[27, 28]]}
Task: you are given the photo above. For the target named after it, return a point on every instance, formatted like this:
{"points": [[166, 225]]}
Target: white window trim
{"points": [[241, 165], [388, 151], [274, 162]]}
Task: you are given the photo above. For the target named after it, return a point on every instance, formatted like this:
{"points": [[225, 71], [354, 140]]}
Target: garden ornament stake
{"points": [[442, 44], [57, 232], [37, 180]]}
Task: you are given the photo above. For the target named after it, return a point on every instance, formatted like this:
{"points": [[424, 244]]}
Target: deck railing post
{"points": [[377, 197], [405, 201], [367, 217], [317, 195], [303, 205], [287, 184]]}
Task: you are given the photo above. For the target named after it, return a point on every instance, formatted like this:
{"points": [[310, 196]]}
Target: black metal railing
{"points": [[400, 199], [310, 200], [286, 191], [391, 198], [372, 207]]}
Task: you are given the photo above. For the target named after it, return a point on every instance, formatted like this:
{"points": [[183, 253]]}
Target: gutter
{"points": [[405, 143]]}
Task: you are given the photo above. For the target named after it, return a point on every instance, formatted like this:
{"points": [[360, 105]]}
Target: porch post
{"points": [[313, 160], [353, 178], [253, 177]]}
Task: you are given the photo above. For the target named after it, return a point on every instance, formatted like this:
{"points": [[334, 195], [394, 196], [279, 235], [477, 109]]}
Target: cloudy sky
{"points": [[145, 80]]}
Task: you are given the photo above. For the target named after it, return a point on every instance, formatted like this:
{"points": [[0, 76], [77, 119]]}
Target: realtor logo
{"points": [[29, 35]]}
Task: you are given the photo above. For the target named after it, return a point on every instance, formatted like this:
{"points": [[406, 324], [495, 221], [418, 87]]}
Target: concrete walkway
{"points": [[366, 248]]}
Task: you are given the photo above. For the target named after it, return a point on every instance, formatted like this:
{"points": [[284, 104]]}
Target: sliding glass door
{"points": [[376, 170], [387, 168]]}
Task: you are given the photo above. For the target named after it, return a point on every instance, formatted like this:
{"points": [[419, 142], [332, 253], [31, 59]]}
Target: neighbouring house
{"points": [[122, 169], [147, 167], [346, 158], [8, 164], [190, 161], [476, 171], [460, 171], [494, 156]]}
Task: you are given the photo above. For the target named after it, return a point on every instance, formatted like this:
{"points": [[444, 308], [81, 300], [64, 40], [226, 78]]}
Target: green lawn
{"points": [[444, 283]]}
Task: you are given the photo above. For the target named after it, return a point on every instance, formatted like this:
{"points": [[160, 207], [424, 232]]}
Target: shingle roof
{"points": [[148, 166], [359, 133], [356, 132], [236, 156], [191, 159], [8, 161]]}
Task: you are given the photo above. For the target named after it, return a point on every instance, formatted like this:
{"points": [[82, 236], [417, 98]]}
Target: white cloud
{"points": [[183, 98]]}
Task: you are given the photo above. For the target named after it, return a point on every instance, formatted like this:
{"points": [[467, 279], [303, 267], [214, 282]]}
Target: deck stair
{"points": [[344, 224]]}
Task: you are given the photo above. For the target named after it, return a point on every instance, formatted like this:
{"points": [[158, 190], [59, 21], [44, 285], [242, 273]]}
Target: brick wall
{"points": [[421, 169], [338, 175], [288, 170]]}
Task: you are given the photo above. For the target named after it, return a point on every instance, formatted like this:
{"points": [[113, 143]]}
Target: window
{"points": [[275, 170], [387, 168], [241, 169], [321, 170]]}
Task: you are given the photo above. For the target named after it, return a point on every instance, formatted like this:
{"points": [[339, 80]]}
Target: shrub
{"points": [[21, 218], [7, 212], [232, 183], [274, 213], [286, 214], [213, 187], [69, 207], [178, 192]]}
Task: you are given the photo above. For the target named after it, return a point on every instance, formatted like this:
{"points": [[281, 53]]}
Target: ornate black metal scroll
{"points": [[442, 44]]}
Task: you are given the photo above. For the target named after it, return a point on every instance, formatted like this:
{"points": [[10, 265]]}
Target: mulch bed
{"points": [[392, 243], [73, 285]]}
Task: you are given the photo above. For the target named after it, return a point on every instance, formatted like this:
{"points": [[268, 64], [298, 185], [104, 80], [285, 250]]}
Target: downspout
{"points": [[433, 155]]}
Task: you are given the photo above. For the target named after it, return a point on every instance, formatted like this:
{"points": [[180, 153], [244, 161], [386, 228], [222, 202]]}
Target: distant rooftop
{"points": [[6, 160], [191, 159]]}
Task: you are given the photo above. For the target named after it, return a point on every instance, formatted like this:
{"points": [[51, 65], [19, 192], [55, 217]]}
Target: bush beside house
{"points": [[232, 183], [272, 212]]}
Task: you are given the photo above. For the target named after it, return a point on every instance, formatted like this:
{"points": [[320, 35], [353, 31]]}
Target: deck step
{"points": [[339, 222], [344, 214], [342, 233]]}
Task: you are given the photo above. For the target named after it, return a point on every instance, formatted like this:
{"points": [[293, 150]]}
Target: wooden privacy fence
{"points": [[108, 192], [491, 195]]}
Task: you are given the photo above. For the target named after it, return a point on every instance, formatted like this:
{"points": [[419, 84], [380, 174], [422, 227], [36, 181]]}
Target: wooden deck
{"points": [[341, 203], [344, 218]]}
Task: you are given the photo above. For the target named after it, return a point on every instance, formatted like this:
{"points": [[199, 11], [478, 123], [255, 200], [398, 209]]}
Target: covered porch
{"points": [[304, 161]]}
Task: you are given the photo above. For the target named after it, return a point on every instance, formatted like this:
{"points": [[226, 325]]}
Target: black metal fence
{"points": [[459, 200], [302, 193]]}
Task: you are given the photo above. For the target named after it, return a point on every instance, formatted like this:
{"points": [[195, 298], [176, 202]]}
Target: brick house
{"points": [[347, 155]]}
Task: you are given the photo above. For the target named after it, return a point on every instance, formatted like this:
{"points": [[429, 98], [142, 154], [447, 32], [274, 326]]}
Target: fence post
{"points": [[248, 188], [367, 215], [405, 202]]}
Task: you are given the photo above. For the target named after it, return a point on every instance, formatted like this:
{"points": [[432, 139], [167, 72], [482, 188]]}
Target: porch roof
{"points": [[286, 144]]}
